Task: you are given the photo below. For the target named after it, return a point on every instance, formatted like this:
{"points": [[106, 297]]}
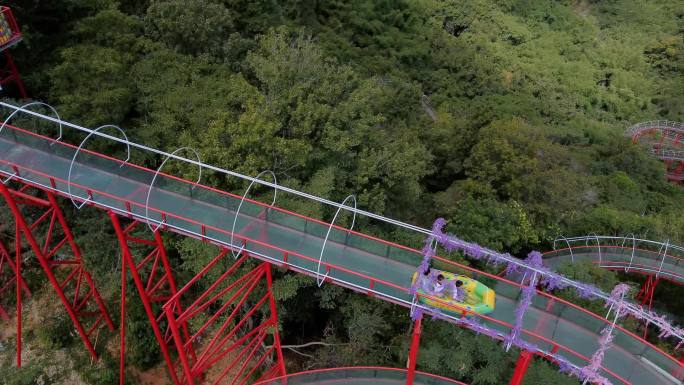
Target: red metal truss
{"points": [[8, 278], [51, 241], [645, 295], [236, 320], [521, 365], [10, 74], [148, 264], [413, 352], [675, 172], [9, 36]]}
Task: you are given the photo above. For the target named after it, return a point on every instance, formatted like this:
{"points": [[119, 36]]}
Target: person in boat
{"points": [[457, 292], [439, 286], [426, 281], [433, 283]]}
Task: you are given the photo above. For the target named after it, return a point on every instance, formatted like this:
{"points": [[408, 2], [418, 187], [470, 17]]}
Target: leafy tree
{"points": [[502, 226], [106, 101], [191, 27], [540, 371], [92, 82], [457, 353], [505, 117]]}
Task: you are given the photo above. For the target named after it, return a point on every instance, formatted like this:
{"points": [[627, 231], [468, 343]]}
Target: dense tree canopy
{"points": [[504, 117]]}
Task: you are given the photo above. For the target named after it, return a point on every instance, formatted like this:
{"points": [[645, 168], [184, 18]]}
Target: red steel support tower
{"points": [[521, 366], [9, 36], [51, 241], [153, 279], [235, 321], [9, 276], [413, 353]]}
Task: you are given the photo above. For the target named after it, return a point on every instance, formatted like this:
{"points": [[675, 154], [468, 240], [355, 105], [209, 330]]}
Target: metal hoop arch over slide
{"points": [[156, 174], [242, 200], [319, 279], [23, 109], [73, 160]]}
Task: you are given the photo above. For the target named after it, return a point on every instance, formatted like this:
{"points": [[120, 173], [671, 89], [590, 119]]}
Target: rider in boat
{"points": [[439, 286], [457, 292], [433, 285]]}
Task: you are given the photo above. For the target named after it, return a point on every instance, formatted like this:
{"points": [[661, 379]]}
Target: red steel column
{"points": [[413, 353], [521, 366], [179, 345], [647, 290], [77, 253], [128, 260], [23, 227], [274, 314], [17, 262], [12, 69], [122, 323]]}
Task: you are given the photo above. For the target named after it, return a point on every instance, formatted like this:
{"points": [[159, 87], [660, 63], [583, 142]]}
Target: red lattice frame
{"points": [[664, 137], [8, 278], [645, 295], [236, 331], [9, 73], [154, 281], [51, 240]]}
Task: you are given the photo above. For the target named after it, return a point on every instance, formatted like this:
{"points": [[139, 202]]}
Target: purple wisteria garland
{"points": [[539, 274], [549, 278], [565, 366], [591, 371], [428, 252], [533, 259]]}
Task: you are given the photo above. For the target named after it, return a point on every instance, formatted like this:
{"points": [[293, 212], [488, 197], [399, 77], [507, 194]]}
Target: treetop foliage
{"points": [[504, 117]]}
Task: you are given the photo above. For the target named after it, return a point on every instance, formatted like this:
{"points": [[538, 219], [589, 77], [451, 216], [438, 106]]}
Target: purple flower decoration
{"points": [[417, 313], [534, 268], [553, 282]]}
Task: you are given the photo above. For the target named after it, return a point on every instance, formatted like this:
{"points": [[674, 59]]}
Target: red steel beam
{"points": [[77, 291], [151, 275], [521, 366], [413, 353], [235, 332], [8, 266]]}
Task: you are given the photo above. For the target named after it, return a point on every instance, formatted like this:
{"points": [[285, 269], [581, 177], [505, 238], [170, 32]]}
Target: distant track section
{"points": [[662, 260], [663, 138], [363, 375]]}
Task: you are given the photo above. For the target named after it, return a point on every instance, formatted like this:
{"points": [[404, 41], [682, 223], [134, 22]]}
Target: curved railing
{"points": [[629, 254], [669, 148], [350, 259], [668, 127], [361, 375]]}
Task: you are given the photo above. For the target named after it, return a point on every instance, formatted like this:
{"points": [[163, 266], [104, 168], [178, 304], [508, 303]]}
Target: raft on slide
{"points": [[479, 298]]}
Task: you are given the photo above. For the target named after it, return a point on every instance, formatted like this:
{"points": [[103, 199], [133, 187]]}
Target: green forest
{"points": [[505, 117]]}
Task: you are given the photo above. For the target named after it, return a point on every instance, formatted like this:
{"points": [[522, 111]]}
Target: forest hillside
{"points": [[505, 117]]}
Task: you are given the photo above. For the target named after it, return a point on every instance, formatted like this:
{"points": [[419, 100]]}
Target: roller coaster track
{"points": [[664, 141], [310, 246], [629, 254], [655, 260]]}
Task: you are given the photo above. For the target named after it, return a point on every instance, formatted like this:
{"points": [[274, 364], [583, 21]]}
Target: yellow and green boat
{"points": [[479, 298]]}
